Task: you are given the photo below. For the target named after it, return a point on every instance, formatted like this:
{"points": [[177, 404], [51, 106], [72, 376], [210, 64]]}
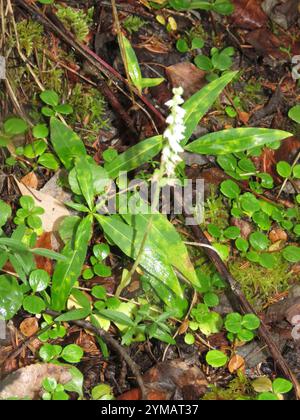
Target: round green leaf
{"points": [[72, 353], [292, 254], [267, 396], [230, 189], [39, 280], [211, 300], [233, 323], [216, 359], [268, 260], [245, 335], [251, 322], [15, 126], [34, 305], [282, 386], [294, 114], [49, 384], [182, 45], [11, 297], [242, 245], [189, 339], [49, 161], [232, 232], [50, 97], [284, 169], [35, 149], [40, 131], [259, 241], [5, 213], [49, 352], [203, 63]]}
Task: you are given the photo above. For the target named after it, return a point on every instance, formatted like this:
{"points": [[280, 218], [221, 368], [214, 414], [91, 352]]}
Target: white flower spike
{"points": [[174, 134]]}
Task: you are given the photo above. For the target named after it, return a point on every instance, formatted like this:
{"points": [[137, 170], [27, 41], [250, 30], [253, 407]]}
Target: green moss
{"points": [[133, 23], [30, 36], [76, 20], [89, 110], [260, 284], [216, 211], [239, 388]]}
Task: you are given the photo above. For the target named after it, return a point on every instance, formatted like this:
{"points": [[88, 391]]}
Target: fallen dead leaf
{"points": [[29, 327], [188, 76], [248, 14], [55, 210], [277, 235], [27, 382], [237, 363], [45, 241], [30, 180]]}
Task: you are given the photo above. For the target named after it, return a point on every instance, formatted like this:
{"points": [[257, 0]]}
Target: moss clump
{"points": [[260, 284], [238, 389], [215, 211], [89, 110], [30, 36], [76, 20]]}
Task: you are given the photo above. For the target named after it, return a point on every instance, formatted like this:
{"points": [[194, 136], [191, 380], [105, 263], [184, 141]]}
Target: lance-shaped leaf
{"points": [[135, 156], [85, 180], [129, 241], [167, 241], [66, 143], [235, 140], [200, 103], [67, 272]]}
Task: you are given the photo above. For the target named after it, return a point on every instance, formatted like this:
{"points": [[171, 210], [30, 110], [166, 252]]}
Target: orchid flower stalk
{"points": [[174, 134]]}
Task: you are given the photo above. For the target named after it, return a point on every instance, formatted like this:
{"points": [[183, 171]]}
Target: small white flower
{"points": [[174, 134]]}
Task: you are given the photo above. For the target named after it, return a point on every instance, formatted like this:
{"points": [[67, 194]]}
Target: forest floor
{"points": [[117, 305]]}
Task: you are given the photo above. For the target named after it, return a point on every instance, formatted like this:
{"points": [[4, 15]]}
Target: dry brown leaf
{"points": [[188, 76], [29, 327], [30, 180], [236, 363], [55, 210], [27, 382], [248, 14]]}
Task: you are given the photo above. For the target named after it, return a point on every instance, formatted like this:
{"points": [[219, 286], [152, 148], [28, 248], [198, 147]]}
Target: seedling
{"points": [[217, 63], [70, 354], [208, 322], [271, 391], [98, 268], [28, 215], [184, 45], [54, 391], [54, 106], [240, 327]]}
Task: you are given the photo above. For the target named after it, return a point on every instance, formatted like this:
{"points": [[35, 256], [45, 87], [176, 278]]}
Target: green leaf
{"points": [[129, 241], [85, 180], [64, 109], [47, 253], [189, 339], [135, 156], [230, 189], [151, 82], [216, 359], [49, 352], [39, 280], [291, 254], [282, 386], [66, 273], [34, 305], [66, 143], [259, 241], [11, 297], [235, 140], [284, 169], [5, 213], [15, 126], [49, 161], [168, 242], [267, 396], [72, 353], [233, 323], [242, 245], [50, 97], [117, 317], [200, 103], [251, 322], [294, 114], [133, 66], [40, 131]]}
